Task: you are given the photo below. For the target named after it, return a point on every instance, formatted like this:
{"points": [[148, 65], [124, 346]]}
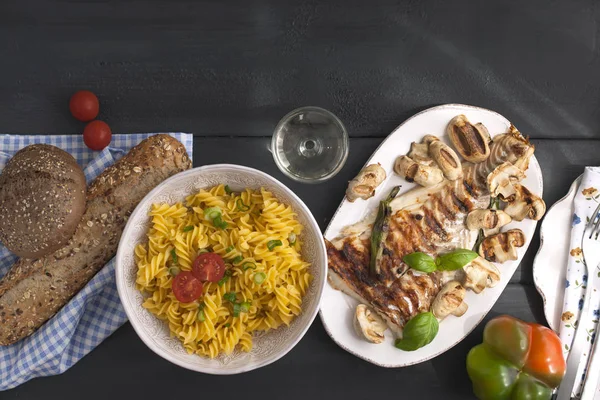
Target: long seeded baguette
{"points": [[33, 291]]}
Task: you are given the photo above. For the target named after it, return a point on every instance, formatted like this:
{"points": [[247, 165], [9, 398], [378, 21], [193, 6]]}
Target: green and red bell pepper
{"points": [[517, 360]]}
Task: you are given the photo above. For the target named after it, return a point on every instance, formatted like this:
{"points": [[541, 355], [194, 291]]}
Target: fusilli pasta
{"points": [[265, 271]]}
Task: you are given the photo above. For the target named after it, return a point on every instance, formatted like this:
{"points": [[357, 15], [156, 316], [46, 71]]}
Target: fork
{"points": [[591, 256]]}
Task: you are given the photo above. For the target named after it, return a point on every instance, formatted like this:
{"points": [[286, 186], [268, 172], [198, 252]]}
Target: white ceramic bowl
{"points": [[269, 346]]}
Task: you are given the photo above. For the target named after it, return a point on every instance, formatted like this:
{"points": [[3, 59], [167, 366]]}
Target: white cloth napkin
{"points": [[585, 203]]}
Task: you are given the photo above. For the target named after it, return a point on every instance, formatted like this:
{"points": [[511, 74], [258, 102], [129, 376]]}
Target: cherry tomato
{"points": [[186, 288], [97, 135], [84, 105], [209, 267]]}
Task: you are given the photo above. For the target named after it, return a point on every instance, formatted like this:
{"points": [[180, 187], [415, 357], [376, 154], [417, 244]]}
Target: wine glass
{"points": [[310, 145]]}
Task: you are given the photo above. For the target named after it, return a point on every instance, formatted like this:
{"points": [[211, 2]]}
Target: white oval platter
{"points": [[337, 308], [550, 264]]}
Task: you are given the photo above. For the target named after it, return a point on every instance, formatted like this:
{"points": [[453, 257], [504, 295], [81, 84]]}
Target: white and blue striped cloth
{"points": [[95, 312]]}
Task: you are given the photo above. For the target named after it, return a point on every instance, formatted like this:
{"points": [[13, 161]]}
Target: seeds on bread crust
{"points": [[42, 199]]}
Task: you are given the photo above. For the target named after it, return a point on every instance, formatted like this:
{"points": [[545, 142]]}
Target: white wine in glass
{"points": [[310, 145]]}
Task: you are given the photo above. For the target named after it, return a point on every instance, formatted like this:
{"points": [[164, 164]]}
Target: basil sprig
{"points": [[455, 259], [418, 332], [420, 261], [447, 262]]}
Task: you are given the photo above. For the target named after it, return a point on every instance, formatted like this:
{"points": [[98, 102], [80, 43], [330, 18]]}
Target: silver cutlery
{"points": [[590, 386], [591, 255]]}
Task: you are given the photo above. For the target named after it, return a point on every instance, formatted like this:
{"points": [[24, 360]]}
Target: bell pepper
{"points": [[517, 360]]}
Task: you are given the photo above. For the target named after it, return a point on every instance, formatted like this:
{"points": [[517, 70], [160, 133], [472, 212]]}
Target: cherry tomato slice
{"points": [[186, 288], [84, 105], [209, 267], [97, 135]]}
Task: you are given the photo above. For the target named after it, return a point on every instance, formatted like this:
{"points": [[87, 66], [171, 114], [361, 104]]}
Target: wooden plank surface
{"points": [[231, 68], [561, 161], [315, 369], [228, 71]]}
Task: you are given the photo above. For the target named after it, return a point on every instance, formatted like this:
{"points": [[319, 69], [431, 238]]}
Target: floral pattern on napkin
{"points": [[585, 203]]}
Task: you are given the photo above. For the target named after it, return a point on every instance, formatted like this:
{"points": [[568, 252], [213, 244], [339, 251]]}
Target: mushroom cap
{"points": [[424, 175], [448, 300], [502, 246], [446, 159], [429, 139], [364, 184], [524, 204], [479, 274], [419, 152], [368, 324], [502, 179], [471, 141], [487, 219]]}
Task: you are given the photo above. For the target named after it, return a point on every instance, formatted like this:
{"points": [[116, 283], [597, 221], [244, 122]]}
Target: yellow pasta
{"points": [[265, 272]]}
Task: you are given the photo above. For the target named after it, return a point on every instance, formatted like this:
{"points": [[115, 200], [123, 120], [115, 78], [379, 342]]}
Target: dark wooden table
{"points": [[227, 71]]}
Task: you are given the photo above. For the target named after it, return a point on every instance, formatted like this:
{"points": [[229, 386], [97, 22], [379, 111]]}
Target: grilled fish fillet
{"points": [[430, 220]]}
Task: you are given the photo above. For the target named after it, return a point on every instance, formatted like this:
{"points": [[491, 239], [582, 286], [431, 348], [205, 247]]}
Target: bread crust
{"points": [[42, 200], [34, 291]]}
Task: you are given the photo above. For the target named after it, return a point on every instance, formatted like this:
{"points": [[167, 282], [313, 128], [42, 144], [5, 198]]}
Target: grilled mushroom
{"points": [[446, 159], [450, 300], [419, 152], [471, 141], [523, 150], [484, 132], [502, 179], [424, 175], [524, 204], [479, 274], [363, 186], [369, 325], [502, 246], [428, 139], [487, 219]]}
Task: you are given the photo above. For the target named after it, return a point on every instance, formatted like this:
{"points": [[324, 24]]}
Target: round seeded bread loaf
{"points": [[42, 199]]}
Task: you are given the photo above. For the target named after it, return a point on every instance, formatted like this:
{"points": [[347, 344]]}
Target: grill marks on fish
{"points": [[460, 204], [417, 232], [399, 301], [397, 292], [351, 264], [429, 220]]}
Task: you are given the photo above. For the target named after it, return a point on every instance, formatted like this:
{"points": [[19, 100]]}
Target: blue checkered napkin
{"points": [[95, 312]]}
